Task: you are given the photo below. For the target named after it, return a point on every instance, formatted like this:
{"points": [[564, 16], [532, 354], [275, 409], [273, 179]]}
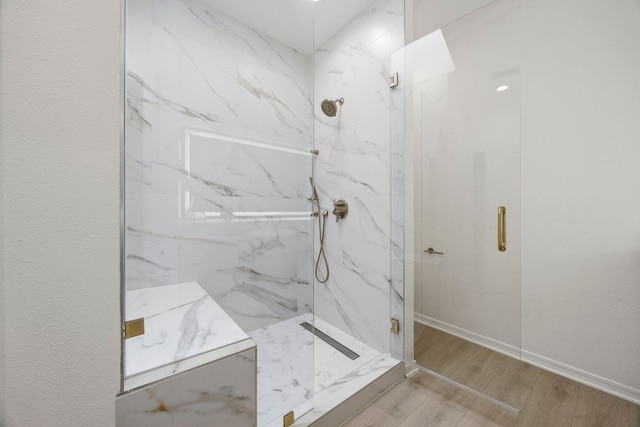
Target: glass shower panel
{"points": [[458, 163], [218, 244]]}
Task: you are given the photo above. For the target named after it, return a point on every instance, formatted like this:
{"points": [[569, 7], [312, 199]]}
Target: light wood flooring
{"points": [[545, 399]]}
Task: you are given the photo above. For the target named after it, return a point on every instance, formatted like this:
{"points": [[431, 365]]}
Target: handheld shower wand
{"points": [[322, 223]]}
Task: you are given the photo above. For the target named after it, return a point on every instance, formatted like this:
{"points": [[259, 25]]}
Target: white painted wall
{"points": [[580, 185], [60, 184], [429, 15]]}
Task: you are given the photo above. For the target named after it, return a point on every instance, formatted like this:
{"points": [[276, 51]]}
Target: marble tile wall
{"points": [[218, 124], [197, 83], [354, 164]]}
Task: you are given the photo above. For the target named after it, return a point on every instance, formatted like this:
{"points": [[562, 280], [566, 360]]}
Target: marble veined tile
{"points": [[222, 393], [332, 396], [369, 25], [331, 365], [285, 368], [181, 321], [355, 164], [293, 365], [198, 63]]}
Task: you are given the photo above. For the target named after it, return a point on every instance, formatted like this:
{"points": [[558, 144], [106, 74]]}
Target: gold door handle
{"points": [[502, 228]]}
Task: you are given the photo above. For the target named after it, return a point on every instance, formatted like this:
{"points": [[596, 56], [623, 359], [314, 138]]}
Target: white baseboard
{"points": [[603, 384]]}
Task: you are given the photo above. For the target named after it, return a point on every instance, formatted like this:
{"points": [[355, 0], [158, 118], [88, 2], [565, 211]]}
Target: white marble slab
{"points": [[218, 120], [285, 368], [293, 366], [331, 365], [330, 397], [222, 393], [181, 321], [355, 164]]}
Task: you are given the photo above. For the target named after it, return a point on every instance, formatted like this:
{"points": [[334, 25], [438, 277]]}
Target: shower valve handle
{"points": [[340, 209]]}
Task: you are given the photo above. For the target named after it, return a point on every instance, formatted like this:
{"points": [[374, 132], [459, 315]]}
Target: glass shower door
{"points": [[461, 200], [218, 224]]}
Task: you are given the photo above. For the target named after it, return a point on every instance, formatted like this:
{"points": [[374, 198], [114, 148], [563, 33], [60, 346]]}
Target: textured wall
{"points": [[60, 119]]}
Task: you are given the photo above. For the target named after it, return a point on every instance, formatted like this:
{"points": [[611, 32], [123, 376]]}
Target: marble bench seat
{"points": [[184, 328]]}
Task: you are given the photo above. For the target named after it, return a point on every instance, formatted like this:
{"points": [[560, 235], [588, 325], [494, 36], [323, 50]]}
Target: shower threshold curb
{"points": [[337, 403]]}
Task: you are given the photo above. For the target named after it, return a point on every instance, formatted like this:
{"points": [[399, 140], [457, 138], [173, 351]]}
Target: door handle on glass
{"points": [[502, 228], [431, 251]]}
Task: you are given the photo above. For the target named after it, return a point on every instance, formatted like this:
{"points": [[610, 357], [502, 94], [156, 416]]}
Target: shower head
{"points": [[330, 107]]}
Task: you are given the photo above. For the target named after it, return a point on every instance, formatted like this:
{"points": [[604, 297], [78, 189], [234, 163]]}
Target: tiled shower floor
{"points": [[291, 371]]}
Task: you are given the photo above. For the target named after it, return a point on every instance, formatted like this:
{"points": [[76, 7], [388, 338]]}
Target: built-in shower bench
{"points": [[183, 328]]}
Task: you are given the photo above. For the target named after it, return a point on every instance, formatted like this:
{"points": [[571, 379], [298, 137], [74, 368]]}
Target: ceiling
{"points": [[290, 21]]}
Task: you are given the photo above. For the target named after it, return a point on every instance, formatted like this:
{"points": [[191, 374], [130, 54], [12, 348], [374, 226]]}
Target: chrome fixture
{"points": [[330, 107], [340, 209], [322, 223]]}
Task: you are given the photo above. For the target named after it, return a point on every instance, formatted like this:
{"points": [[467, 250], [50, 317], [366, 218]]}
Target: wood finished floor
{"points": [[545, 399]]}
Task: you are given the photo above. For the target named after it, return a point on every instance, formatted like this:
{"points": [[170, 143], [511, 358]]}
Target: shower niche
{"points": [[222, 135]]}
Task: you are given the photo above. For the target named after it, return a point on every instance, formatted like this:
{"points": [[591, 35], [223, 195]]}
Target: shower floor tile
{"points": [[291, 370]]}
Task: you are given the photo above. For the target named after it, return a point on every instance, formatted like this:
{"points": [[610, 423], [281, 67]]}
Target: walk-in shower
{"points": [[222, 258]]}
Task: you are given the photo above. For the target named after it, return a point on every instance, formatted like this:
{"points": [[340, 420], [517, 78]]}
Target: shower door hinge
{"points": [[133, 328], [395, 326], [288, 419], [393, 80]]}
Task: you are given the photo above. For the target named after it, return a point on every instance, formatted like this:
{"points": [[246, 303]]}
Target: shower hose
{"points": [[322, 222]]}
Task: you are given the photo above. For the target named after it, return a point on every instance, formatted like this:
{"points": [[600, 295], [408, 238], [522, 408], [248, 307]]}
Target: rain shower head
{"points": [[330, 107]]}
